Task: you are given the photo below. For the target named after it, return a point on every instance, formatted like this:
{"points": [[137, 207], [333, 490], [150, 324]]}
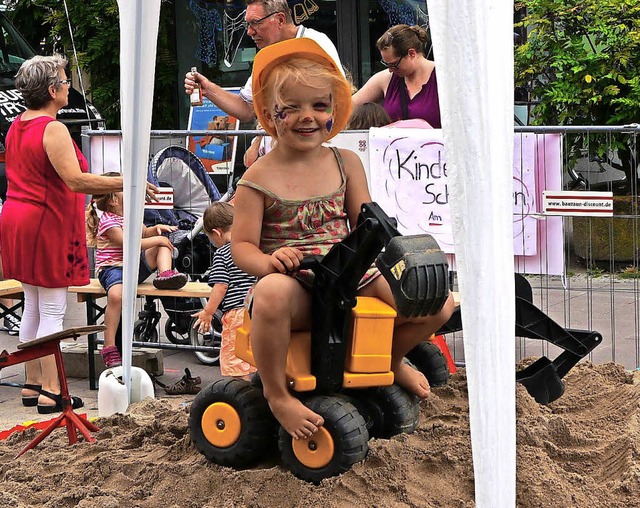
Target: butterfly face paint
{"points": [[279, 113]]}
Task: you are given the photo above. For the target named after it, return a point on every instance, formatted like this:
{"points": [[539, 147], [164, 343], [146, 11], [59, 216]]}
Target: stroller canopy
{"points": [[177, 167]]}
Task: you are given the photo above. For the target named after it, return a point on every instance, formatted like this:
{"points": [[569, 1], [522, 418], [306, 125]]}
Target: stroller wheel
{"points": [[176, 333], [144, 332], [212, 339]]}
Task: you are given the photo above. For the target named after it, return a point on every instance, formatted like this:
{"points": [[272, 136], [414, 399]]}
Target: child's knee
{"points": [[114, 295], [272, 296]]}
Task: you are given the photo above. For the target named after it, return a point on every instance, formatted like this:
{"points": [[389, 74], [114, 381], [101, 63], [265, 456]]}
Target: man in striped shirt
{"points": [[230, 286]]}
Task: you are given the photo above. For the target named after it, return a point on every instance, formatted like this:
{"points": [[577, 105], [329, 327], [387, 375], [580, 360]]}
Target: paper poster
{"points": [[216, 151], [408, 178]]}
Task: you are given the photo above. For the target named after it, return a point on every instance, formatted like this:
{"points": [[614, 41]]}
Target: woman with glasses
{"points": [[42, 231], [409, 88]]}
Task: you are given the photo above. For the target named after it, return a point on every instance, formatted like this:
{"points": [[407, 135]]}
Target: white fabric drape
{"points": [[138, 40], [473, 51]]}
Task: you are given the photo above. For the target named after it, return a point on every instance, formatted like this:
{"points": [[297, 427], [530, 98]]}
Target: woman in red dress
{"points": [[42, 228]]}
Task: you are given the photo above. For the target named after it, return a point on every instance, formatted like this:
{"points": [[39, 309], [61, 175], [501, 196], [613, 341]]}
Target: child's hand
{"points": [[286, 259], [203, 322], [163, 241], [164, 228]]}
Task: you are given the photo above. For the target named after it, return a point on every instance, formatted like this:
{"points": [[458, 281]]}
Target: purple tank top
{"points": [[424, 105]]}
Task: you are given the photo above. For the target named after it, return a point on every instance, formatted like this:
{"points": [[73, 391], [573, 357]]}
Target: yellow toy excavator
{"points": [[341, 369]]}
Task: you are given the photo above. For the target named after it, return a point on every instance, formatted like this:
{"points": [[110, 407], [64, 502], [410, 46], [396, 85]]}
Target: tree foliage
{"points": [[581, 60], [96, 33]]}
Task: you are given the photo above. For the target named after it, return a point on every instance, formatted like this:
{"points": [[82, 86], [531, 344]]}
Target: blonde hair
{"points": [[299, 71], [100, 202]]}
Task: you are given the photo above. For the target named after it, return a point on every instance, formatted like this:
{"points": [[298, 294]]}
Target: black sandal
{"points": [[31, 400], [46, 409]]}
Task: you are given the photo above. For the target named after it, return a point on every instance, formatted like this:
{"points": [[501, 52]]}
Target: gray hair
{"points": [[271, 6], [36, 75]]}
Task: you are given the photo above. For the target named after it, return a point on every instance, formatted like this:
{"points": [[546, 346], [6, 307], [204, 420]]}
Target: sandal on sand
{"points": [[187, 385]]}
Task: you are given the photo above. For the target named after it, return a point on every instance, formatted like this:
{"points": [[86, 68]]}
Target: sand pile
{"points": [[581, 451]]}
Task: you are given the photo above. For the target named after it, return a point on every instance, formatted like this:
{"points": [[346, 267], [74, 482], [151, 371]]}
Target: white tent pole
{"points": [[473, 50], [138, 40]]}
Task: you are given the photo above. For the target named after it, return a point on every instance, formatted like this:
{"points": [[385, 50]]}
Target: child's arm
{"points": [[116, 237], [203, 323], [156, 241], [245, 241], [157, 230], [357, 191]]}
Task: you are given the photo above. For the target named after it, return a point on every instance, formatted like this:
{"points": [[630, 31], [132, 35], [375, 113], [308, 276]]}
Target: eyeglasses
{"points": [[65, 81], [257, 22], [392, 65]]}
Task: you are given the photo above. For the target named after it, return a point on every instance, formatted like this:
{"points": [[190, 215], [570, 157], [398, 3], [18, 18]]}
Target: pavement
{"points": [[173, 363]]}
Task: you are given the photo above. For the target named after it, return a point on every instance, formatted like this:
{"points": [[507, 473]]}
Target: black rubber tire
{"points": [[388, 410], [258, 427], [348, 432], [173, 332], [430, 360], [141, 334], [213, 338]]}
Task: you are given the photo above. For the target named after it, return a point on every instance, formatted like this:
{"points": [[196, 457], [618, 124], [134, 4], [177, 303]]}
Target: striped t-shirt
{"points": [[224, 271], [108, 254]]}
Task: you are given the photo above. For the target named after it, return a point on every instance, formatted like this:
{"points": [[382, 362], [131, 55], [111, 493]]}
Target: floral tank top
{"points": [[311, 225]]}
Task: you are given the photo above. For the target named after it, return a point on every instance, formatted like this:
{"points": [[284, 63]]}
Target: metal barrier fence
{"points": [[584, 271]]}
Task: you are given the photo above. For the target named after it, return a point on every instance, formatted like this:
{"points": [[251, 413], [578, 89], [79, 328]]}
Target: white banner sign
{"points": [[584, 204], [164, 196], [408, 178]]}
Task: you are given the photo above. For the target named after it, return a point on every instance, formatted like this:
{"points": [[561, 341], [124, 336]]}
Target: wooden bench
{"points": [[93, 291]]}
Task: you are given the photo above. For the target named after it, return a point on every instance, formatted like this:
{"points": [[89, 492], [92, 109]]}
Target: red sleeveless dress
{"points": [[42, 226]]}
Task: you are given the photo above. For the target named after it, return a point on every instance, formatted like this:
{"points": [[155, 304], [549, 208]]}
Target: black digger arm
{"points": [[414, 266], [543, 378]]}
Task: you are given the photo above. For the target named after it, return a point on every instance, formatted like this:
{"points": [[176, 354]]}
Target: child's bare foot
{"points": [[411, 380], [296, 418]]}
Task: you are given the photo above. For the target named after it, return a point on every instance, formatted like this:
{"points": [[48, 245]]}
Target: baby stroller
{"points": [[193, 191]]}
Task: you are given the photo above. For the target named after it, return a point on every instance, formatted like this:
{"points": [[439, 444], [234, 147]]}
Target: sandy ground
{"points": [[583, 450]]}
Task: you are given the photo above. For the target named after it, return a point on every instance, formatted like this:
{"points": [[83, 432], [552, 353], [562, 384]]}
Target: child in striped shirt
{"points": [[230, 287]]}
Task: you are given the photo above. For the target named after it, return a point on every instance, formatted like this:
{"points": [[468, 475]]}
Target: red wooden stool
{"points": [[50, 345]]}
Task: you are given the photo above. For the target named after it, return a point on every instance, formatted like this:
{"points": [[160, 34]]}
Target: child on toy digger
{"points": [[298, 200]]}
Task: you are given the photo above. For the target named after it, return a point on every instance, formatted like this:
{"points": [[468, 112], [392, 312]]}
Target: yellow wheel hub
{"points": [[221, 424], [316, 451]]}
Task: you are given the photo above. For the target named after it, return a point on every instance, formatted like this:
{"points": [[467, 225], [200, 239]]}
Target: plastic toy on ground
{"points": [[543, 378], [341, 369]]}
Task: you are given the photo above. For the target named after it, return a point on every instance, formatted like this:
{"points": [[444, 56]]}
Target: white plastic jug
{"points": [[112, 392]]}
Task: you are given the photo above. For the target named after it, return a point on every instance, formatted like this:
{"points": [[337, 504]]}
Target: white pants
{"points": [[43, 313]]}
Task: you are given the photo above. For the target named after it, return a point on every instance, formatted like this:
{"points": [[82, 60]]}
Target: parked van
{"points": [[14, 49]]}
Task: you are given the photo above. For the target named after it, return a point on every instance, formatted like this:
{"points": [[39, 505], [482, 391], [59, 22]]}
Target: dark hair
{"points": [[367, 115], [218, 215], [402, 38]]}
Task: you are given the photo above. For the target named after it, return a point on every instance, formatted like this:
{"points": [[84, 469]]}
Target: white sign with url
{"points": [[576, 203], [164, 195]]}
